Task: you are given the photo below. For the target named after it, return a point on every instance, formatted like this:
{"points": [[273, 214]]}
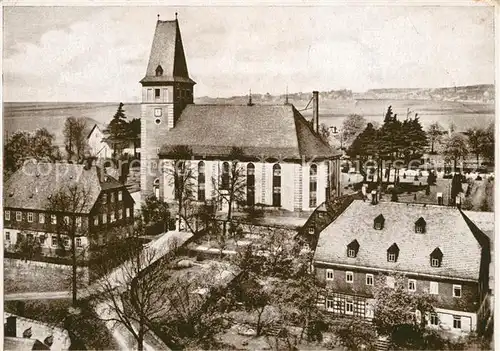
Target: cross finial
{"points": [[176, 16], [158, 16]]}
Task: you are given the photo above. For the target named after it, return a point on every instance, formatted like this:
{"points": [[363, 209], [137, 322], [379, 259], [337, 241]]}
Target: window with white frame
{"points": [[30, 217], [434, 288], [112, 217], [96, 220], [7, 215], [351, 253], [412, 285], [7, 236], [66, 242], [53, 240], [457, 322], [435, 262], [127, 213], [79, 221], [119, 195], [120, 214], [369, 279], [329, 304], [41, 218], [78, 242], [349, 307], [41, 239], [391, 257], [329, 274], [111, 197], [19, 216], [104, 218], [66, 220], [457, 290], [390, 282], [53, 219], [434, 319], [349, 277]]}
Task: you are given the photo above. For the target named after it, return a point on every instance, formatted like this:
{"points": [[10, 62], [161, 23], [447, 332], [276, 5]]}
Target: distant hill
{"points": [[474, 93]]}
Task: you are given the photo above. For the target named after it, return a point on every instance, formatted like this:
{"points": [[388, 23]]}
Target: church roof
{"points": [[269, 131], [168, 53]]}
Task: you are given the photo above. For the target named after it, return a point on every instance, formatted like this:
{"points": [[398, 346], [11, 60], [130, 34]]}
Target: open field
{"points": [[51, 115]]}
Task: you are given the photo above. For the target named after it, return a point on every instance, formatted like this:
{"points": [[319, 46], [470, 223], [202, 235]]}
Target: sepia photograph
{"points": [[257, 177]]}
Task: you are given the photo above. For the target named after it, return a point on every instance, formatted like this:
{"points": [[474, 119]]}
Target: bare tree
{"points": [[70, 205], [128, 296], [74, 137], [230, 186]]}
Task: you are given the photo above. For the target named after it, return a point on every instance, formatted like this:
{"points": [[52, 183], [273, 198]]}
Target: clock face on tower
{"points": [[157, 112]]}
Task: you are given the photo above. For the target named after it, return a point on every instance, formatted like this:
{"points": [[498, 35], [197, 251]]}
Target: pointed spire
{"points": [[176, 16], [158, 16], [250, 103]]}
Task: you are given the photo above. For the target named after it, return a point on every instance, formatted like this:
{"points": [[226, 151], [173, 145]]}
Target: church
{"points": [[286, 164]]}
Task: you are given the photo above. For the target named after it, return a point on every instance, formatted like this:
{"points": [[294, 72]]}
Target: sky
{"points": [[101, 53]]}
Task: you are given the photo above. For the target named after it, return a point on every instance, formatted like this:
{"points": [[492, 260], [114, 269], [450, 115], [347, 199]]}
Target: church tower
{"points": [[166, 90]]}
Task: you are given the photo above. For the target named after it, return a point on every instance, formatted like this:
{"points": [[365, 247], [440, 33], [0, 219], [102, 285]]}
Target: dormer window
{"points": [[393, 253], [352, 249], [436, 257], [378, 222], [159, 71], [420, 225]]}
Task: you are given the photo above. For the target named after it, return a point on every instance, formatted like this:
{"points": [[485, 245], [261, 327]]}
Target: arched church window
{"points": [[277, 185], [159, 71], [313, 185], [250, 184], [201, 181]]}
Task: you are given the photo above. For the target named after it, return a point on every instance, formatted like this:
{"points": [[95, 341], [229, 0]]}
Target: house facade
{"points": [[433, 248], [95, 207], [285, 163], [97, 146]]}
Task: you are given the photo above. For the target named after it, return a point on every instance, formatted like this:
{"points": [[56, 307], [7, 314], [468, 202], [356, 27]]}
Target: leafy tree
{"points": [[364, 145], [74, 137], [154, 210], [355, 334], [396, 313], [352, 126], [476, 138], [27, 245], [435, 132], [455, 148], [488, 146], [134, 131], [21, 146], [255, 300]]}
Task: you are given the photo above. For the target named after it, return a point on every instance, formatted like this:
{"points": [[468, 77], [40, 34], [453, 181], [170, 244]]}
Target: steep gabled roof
{"points": [[167, 51], [445, 229], [31, 186], [269, 131]]}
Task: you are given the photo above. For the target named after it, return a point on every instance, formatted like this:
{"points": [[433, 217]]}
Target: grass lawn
{"points": [[86, 330], [34, 279]]}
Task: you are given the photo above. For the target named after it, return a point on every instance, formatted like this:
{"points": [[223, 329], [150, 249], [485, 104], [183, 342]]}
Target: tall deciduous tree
{"points": [[398, 311], [74, 137], [352, 126], [435, 132], [38, 145], [476, 139], [154, 210], [488, 149], [455, 148], [69, 204]]}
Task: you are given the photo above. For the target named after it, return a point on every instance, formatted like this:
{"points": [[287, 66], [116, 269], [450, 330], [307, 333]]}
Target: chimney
{"points": [[316, 111], [10, 327], [440, 199]]}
